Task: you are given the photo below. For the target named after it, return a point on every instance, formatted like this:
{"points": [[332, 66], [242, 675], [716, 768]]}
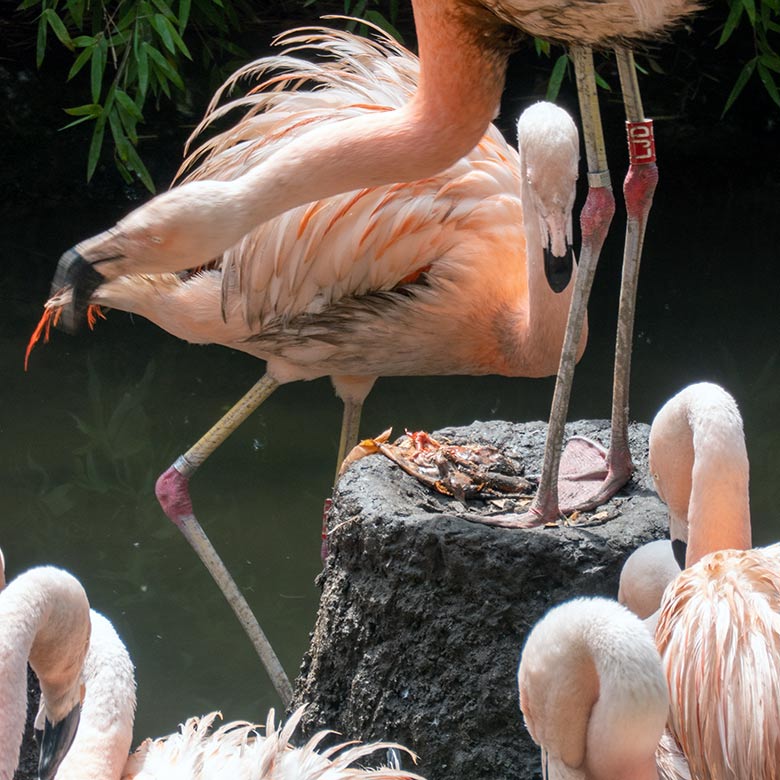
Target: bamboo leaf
{"points": [[137, 165], [184, 14], [161, 25], [164, 66], [95, 145], [143, 72], [40, 46], [97, 70], [88, 109], [771, 61], [82, 41], [750, 10], [556, 77], [127, 103], [58, 27], [80, 62], [732, 20], [603, 84], [380, 20], [769, 83], [739, 85]]}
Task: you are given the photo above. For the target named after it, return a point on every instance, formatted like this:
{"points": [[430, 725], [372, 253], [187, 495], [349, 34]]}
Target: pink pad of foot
{"points": [[582, 472]]}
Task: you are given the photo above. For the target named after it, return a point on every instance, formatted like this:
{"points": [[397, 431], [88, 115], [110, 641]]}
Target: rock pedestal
{"points": [[423, 613]]}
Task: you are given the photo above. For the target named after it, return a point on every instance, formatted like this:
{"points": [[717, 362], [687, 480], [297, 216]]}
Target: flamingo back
{"points": [[719, 635]]}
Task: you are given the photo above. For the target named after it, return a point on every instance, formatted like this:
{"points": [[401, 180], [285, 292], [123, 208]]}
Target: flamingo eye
{"points": [[156, 239]]}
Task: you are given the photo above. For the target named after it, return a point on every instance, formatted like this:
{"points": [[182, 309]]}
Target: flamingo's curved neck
{"points": [[462, 77]]}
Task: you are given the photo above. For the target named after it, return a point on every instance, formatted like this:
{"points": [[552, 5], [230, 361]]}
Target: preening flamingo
{"points": [[463, 51], [235, 750], [718, 630], [593, 695], [448, 275], [44, 619], [645, 575]]}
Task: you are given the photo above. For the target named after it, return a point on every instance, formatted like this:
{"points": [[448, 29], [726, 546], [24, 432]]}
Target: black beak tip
{"points": [[680, 550], [56, 742], [75, 272], [558, 270]]}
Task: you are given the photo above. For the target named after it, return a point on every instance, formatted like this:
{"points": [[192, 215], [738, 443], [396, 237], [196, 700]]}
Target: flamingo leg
{"points": [[350, 430], [638, 188], [172, 490], [595, 219]]}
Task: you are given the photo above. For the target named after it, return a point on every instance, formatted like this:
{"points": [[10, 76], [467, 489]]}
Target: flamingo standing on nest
{"points": [[452, 274], [718, 629], [105, 731], [593, 695], [464, 48], [44, 619]]}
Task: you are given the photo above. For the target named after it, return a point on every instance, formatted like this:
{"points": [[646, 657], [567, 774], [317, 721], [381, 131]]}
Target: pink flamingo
{"points": [[441, 276], [197, 751], [593, 695], [463, 52], [718, 629], [44, 614]]}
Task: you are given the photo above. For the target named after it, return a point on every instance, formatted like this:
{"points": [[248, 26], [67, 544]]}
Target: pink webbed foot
{"points": [[590, 475]]}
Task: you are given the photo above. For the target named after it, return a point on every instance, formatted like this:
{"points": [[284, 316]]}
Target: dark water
{"points": [[85, 432]]}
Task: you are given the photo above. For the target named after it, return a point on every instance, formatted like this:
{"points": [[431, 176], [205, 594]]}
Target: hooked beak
{"points": [[558, 270], [56, 742], [680, 549], [74, 271]]}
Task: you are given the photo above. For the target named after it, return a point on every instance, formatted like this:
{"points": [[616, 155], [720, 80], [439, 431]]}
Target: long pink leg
{"points": [[595, 220], [596, 488], [173, 493]]}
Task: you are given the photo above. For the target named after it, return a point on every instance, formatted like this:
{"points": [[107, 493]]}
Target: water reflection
{"points": [[87, 430]]}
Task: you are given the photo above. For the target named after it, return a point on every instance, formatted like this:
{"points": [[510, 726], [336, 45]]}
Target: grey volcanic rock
{"points": [[423, 613]]}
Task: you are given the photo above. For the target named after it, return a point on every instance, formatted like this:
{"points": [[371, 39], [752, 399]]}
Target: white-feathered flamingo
{"points": [[448, 275], [238, 750], [44, 619], [645, 575], [593, 695], [718, 628], [464, 47]]}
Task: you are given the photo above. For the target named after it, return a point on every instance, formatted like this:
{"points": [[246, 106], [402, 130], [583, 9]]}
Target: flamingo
{"points": [[593, 695], [718, 629], [44, 619], [197, 751], [645, 575], [452, 274], [464, 48]]}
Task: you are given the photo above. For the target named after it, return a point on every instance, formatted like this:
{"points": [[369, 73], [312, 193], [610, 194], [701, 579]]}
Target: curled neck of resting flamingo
{"points": [[195, 222], [700, 468], [105, 734], [44, 614], [593, 693]]}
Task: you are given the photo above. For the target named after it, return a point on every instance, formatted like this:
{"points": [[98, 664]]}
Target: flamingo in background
{"points": [[593, 696], [718, 629], [450, 275], [44, 619], [102, 742], [463, 52]]}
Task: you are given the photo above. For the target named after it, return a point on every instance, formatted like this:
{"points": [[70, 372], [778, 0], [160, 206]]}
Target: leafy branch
{"points": [[763, 17], [134, 50]]}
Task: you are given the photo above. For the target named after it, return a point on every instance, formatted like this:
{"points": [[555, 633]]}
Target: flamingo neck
{"points": [[461, 81], [719, 505]]}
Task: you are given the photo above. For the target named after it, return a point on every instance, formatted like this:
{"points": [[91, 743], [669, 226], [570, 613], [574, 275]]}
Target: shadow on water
{"points": [[85, 432]]}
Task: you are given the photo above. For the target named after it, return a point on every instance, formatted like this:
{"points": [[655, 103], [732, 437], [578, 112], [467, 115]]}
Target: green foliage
{"points": [[127, 52], [763, 17], [382, 13]]}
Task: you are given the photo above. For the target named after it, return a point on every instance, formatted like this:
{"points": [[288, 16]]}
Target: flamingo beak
{"points": [[73, 270], [680, 550], [55, 743], [558, 269]]}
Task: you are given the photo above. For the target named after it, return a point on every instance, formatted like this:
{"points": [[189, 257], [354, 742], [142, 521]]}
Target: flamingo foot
{"points": [[530, 519], [591, 475]]}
